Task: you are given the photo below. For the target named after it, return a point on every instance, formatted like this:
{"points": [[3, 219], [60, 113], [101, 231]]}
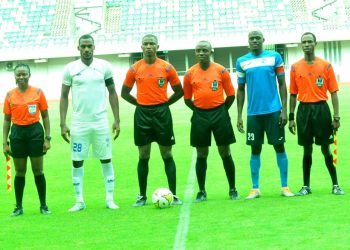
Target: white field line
{"points": [[185, 211]]}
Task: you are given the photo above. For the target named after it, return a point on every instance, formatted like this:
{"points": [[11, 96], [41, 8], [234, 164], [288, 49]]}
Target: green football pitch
{"points": [[317, 221]]}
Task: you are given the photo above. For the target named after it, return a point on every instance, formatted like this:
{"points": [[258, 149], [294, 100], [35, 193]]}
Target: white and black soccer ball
{"points": [[162, 198]]}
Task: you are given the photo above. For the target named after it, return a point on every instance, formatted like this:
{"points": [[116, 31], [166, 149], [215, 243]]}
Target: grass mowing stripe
{"points": [[185, 212]]}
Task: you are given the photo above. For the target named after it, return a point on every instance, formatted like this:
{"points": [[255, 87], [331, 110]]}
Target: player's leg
{"points": [[276, 137], [170, 170], [80, 142], [306, 139], [164, 135], [40, 182], [224, 136], [143, 137], [255, 138], [108, 176], [230, 170], [324, 137], [200, 138], [201, 172], [328, 157], [142, 174], [35, 149], [102, 150], [19, 182], [19, 154]]}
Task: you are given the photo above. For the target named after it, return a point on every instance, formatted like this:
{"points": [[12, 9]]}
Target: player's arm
{"points": [[189, 103], [175, 85], [114, 102], [46, 123], [240, 103], [65, 133], [292, 105], [282, 87], [188, 92], [178, 93], [228, 88], [5, 133], [336, 117], [229, 101], [127, 96]]}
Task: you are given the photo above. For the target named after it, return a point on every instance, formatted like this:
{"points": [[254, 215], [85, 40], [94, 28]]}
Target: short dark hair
{"points": [[20, 65], [309, 33], [86, 36], [150, 35], [208, 43]]}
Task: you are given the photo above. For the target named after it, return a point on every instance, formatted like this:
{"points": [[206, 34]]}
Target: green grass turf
{"points": [[318, 221]]}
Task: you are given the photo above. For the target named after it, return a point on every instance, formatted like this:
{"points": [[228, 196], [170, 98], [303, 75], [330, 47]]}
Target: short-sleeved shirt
{"points": [[151, 81], [25, 108], [88, 89], [311, 81], [208, 86], [259, 72]]}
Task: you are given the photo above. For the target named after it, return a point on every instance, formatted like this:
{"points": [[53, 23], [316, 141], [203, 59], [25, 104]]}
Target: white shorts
{"points": [[85, 134]]}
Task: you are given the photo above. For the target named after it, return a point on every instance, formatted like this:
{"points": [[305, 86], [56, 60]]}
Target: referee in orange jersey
{"points": [[23, 106], [310, 79], [152, 119], [205, 86]]}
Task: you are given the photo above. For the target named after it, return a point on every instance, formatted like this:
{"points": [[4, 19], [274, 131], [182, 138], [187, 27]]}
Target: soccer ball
{"points": [[162, 198]]}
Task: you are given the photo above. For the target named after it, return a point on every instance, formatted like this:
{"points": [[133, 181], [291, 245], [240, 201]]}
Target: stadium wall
{"points": [[48, 75]]}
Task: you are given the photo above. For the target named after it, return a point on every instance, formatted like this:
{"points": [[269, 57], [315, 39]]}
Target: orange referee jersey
{"points": [[25, 108], [311, 81], [207, 86], [151, 81]]}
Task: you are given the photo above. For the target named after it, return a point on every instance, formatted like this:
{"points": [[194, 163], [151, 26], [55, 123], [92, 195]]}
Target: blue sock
{"points": [[282, 162], [254, 169]]}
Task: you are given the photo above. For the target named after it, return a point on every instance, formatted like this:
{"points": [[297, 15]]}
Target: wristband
{"points": [[336, 118], [291, 117]]}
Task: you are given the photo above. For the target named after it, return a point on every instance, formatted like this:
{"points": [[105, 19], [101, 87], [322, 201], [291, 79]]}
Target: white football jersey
{"points": [[88, 89]]}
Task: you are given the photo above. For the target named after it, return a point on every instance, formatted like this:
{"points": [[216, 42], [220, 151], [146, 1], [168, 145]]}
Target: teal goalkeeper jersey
{"points": [[259, 74]]}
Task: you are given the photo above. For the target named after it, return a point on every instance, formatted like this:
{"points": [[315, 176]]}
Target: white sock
{"points": [[77, 177], [108, 174]]}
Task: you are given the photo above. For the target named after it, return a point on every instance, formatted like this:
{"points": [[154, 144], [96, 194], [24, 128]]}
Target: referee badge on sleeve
{"points": [[214, 85], [32, 109], [319, 82], [161, 82]]}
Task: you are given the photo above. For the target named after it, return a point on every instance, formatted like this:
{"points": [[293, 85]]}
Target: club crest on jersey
{"points": [[319, 82], [161, 82], [214, 85], [32, 109]]}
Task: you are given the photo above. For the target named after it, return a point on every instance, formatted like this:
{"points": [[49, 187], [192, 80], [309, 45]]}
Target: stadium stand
{"points": [[45, 24]]}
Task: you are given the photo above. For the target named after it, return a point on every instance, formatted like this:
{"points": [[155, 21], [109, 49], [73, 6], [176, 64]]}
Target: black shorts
{"points": [[314, 120], [269, 123], [153, 123], [27, 140], [216, 120]]}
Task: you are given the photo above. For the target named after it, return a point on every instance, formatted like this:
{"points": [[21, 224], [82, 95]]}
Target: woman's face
{"points": [[22, 76]]}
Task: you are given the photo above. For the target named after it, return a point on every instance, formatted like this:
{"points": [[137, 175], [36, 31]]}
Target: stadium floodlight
{"points": [[41, 60], [123, 55]]}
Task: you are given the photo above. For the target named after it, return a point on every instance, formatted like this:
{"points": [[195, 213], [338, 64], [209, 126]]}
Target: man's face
{"points": [[203, 52], [149, 46], [308, 44], [255, 40], [86, 48]]}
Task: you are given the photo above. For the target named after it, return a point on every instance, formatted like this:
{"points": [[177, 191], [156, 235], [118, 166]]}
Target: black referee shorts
{"points": [[314, 124], [153, 123], [206, 121], [27, 140]]}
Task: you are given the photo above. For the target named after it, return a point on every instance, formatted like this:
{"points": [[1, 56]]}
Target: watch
{"points": [[48, 138]]}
